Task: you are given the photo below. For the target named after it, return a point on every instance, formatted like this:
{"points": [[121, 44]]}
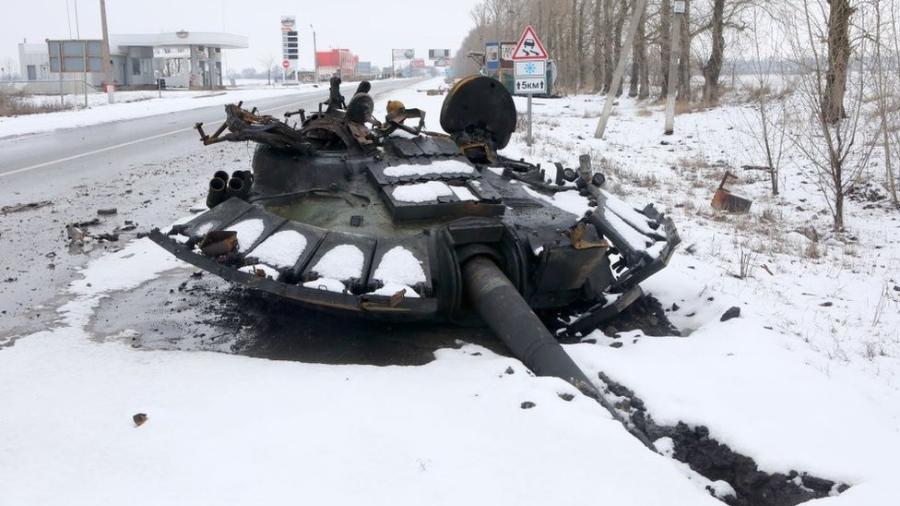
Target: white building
{"points": [[183, 59]]}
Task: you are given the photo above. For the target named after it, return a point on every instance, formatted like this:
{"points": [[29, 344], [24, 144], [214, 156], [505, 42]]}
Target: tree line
{"points": [[844, 54]]}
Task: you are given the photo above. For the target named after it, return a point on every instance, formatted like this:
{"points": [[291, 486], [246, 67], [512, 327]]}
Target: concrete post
{"points": [[315, 53], [677, 13], [105, 55], [211, 66], [195, 65]]}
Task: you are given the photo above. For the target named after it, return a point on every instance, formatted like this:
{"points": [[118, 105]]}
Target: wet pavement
{"points": [[150, 182], [186, 309]]}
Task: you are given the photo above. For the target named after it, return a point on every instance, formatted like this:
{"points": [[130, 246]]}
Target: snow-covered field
{"points": [[805, 380]]}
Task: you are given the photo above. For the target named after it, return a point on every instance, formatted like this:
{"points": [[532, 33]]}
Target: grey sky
{"points": [[369, 28]]}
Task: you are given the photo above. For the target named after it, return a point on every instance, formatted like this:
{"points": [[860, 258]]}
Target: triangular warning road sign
{"points": [[529, 47]]}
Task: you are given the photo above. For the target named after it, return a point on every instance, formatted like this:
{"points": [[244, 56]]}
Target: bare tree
{"points": [[838, 59], [640, 82], [713, 66], [836, 149], [885, 87], [598, 38], [665, 45], [268, 62], [769, 126], [684, 65]]}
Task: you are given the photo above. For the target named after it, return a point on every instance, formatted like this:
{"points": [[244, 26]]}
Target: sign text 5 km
{"points": [[531, 85]]}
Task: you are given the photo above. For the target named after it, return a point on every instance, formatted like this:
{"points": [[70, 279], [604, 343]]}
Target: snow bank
{"points": [[756, 394], [248, 231], [342, 262], [235, 430], [463, 193], [399, 269], [434, 168], [422, 192], [569, 201], [281, 250]]}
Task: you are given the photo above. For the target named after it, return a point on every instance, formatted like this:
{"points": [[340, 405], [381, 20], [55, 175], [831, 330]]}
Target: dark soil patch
{"points": [[717, 461]]}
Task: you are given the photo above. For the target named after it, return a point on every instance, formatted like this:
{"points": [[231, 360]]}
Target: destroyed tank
{"points": [[386, 220]]}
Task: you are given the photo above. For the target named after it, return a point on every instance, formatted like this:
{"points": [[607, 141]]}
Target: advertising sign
{"points": [[492, 55], [288, 23], [290, 45], [506, 50], [404, 54], [75, 55], [438, 54]]}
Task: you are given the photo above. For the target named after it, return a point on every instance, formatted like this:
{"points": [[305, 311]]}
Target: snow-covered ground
{"points": [[806, 379]]}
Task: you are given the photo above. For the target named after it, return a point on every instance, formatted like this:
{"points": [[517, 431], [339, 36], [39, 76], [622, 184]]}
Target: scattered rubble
{"points": [[18, 208], [724, 200], [733, 312]]}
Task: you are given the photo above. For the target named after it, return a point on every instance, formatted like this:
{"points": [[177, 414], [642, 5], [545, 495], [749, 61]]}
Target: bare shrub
{"points": [[812, 251], [745, 264], [16, 104]]}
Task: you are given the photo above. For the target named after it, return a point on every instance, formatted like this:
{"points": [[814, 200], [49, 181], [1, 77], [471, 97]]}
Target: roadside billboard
{"points": [[404, 54], [79, 55]]}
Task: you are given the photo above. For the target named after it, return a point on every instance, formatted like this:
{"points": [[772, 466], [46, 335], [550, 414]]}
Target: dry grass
{"points": [[771, 215], [684, 107], [644, 112], [812, 251], [694, 162], [14, 104]]}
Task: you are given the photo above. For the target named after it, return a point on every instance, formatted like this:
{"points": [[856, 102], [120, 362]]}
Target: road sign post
{"points": [[530, 60]]}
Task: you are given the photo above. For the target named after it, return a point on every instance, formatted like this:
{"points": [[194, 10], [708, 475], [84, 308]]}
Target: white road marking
{"points": [[124, 144]]}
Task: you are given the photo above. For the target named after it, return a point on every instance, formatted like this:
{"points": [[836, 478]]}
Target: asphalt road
{"points": [[55, 157], [150, 169]]}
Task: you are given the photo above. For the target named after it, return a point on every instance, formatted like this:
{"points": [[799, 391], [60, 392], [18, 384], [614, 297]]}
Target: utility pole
{"points": [[84, 58], [315, 53], [104, 54], [620, 68], [677, 13]]}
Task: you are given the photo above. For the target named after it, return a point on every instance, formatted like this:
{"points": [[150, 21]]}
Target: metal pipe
{"points": [[504, 310], [235, 187], [217, 191]]}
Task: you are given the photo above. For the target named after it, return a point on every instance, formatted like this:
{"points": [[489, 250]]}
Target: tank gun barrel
{"points": [[504, 310]]}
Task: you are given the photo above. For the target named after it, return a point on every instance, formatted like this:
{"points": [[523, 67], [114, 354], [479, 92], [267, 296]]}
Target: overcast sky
{"points": [[368, 28]]}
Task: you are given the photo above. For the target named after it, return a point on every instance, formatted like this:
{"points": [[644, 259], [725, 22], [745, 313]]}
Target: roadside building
{"points": [[337, 62], [182, 59]]}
